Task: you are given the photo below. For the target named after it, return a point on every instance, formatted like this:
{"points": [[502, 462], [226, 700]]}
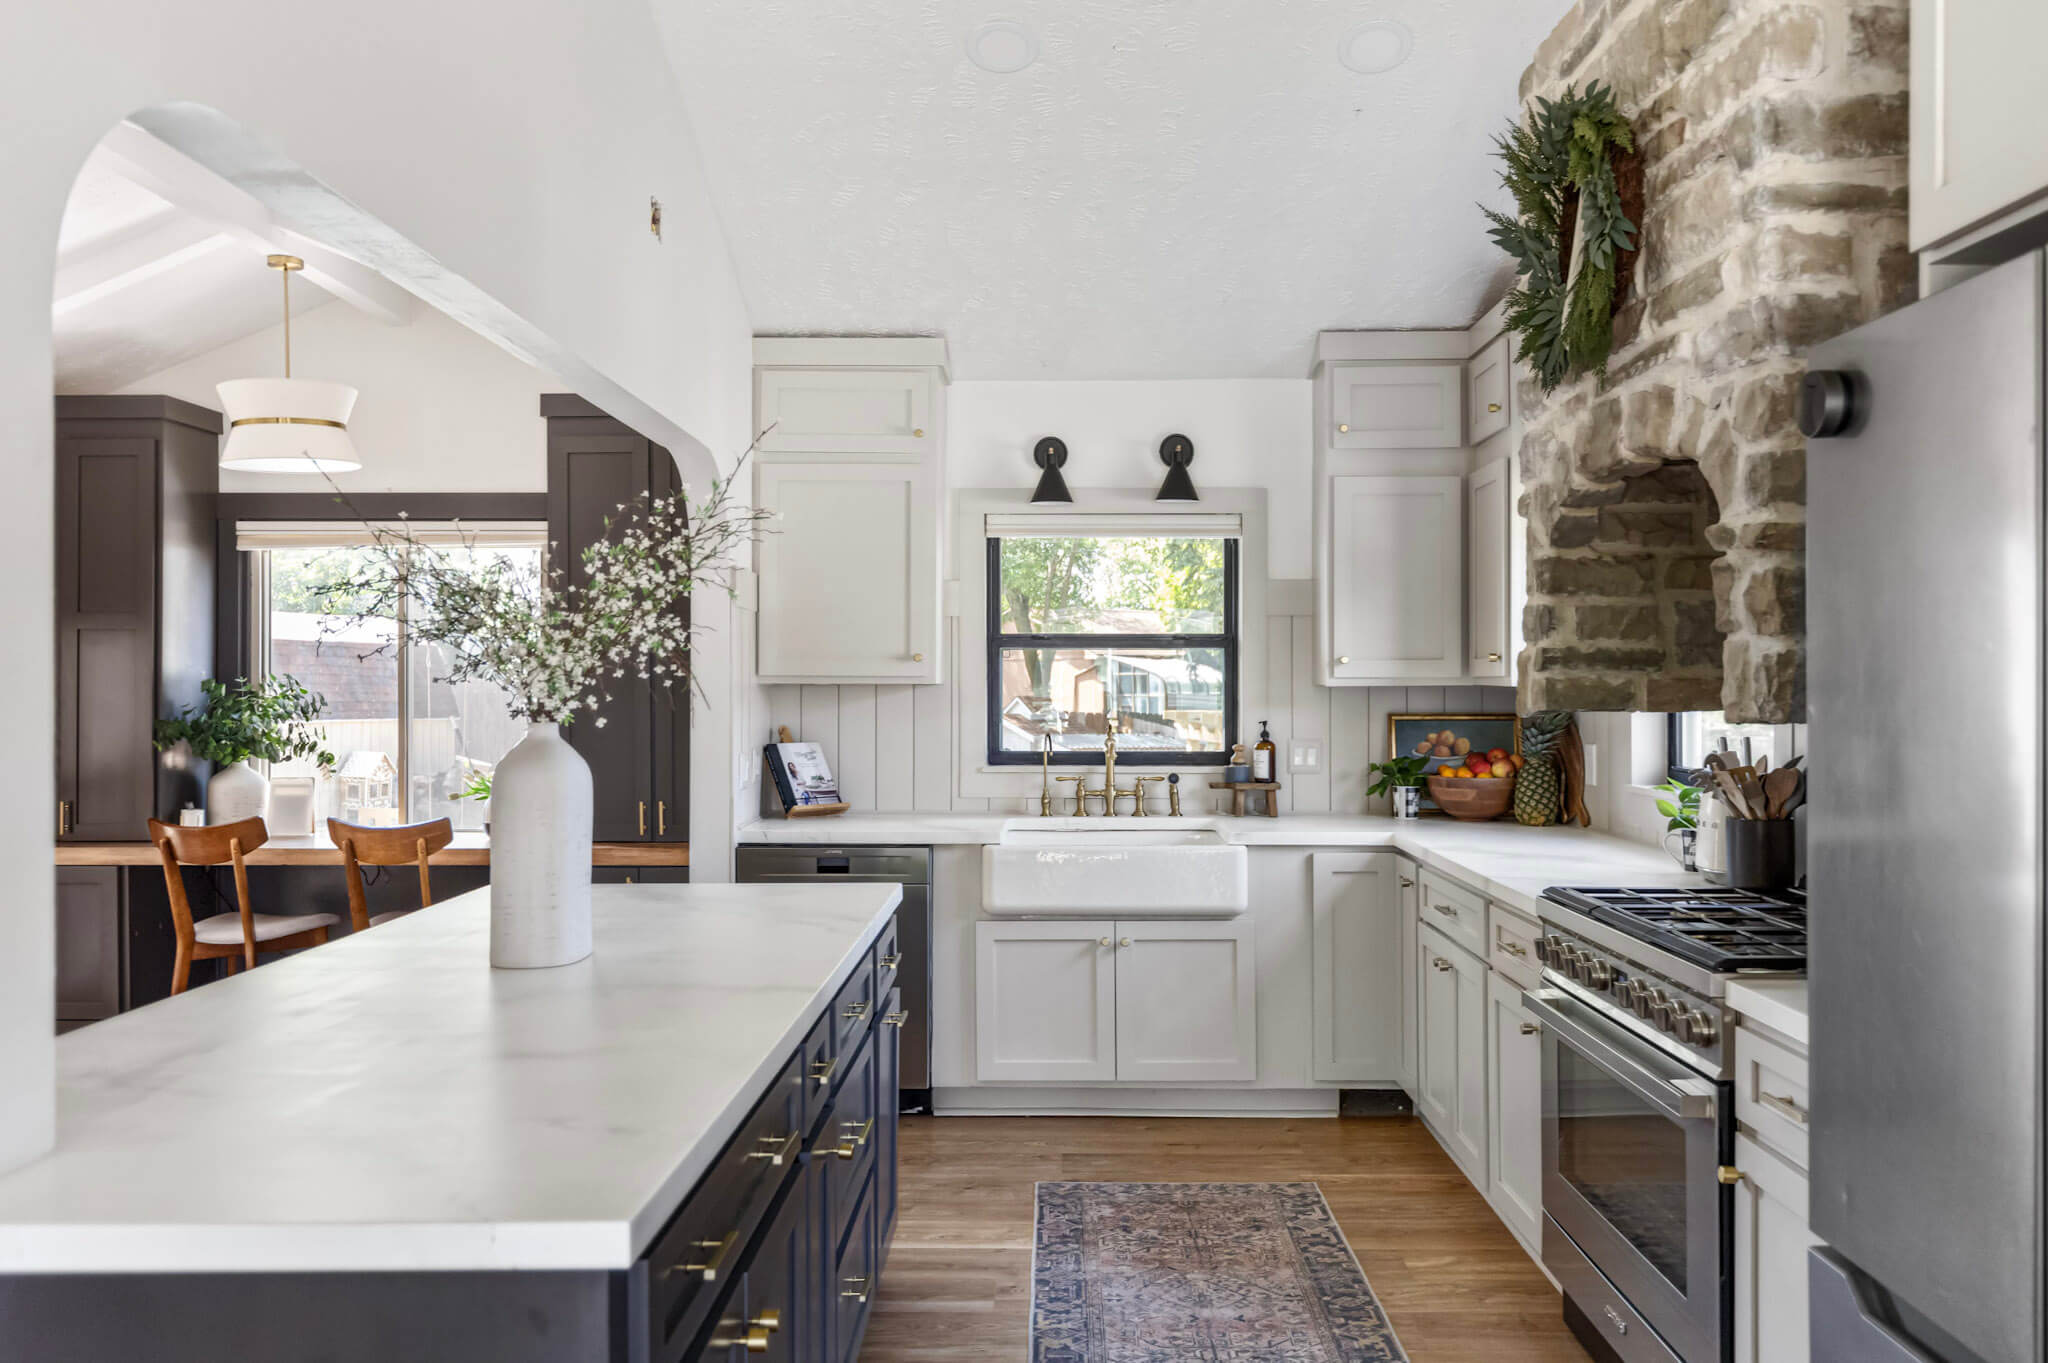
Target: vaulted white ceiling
{"points": [[1174, 188]]}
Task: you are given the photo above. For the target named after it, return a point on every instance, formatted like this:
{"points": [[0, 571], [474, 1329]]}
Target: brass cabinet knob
{"points": [[1343, 658], [917, 657], [1342, 427], [1493, 406], [1729, 1175], [1123, 941], [1493, 657], [1530, 1029], [1104, 942], [917, 431]]}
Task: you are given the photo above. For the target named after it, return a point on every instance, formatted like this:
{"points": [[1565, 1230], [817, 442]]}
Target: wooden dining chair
{"points": [[407, 845], [227, 937]]}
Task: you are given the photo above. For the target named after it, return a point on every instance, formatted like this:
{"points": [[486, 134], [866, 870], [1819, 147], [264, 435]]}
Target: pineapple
{"points": [[1538, 787]]}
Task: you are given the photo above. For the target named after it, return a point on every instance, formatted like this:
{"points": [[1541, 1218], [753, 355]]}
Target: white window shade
{"points": [[1114, 525], [251, 536]]}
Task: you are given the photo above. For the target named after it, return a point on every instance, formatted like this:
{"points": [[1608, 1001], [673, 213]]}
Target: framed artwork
{"points": [[1447, 740]]}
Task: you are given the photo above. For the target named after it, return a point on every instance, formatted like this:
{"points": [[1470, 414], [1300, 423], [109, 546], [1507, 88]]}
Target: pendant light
{"points": [[287, 425], [1049, 454], [1177, 452]]}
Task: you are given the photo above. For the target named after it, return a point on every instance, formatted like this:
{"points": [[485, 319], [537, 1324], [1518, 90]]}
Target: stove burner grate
{"points": [[1717, 929]]}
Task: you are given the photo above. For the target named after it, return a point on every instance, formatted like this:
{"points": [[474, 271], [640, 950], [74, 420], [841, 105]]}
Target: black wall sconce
{"points": [[1177, 452], [1049, 454]]}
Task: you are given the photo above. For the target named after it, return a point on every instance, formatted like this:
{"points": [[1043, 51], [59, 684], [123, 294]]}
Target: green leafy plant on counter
{"points": [[271, 718], [1679, 803], [478, 787], [1400, 771]]}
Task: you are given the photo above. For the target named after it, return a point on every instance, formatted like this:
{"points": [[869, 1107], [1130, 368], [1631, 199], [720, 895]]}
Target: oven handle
{"points": [[1686, 1098]]}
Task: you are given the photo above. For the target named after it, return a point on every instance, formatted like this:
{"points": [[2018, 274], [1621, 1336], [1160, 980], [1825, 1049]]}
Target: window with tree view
{"points": [[408, 744], [1096, 635]]}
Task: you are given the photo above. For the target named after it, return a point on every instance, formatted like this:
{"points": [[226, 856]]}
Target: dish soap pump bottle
{"points": [[1262, 755]]}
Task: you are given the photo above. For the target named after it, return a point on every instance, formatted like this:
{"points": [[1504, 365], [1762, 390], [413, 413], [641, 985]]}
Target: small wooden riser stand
{"points": [[1238, 789], [800, 811]]}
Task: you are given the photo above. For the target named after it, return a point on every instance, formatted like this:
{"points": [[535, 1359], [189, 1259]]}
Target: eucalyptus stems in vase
{"points": [[555, 642]]}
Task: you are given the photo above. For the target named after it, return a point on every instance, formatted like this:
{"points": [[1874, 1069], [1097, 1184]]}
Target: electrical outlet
{"points": [[1304, 755], [1592, 764]]}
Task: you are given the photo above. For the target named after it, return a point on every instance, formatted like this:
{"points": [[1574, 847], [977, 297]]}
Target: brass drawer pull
{"points": [[643, 818], [841, 1148], [714, 1262], [891, 962], [771, 1321], [1493, 406], [859, 1292], [661, 818], [1531, 1028], [897, 1019], [822, 1070], [785, 1146], [1514, 949], [1784, 1107], [854, 1010], [865, 1130], [1440, 963], [1445, 909], [1406, 883]]}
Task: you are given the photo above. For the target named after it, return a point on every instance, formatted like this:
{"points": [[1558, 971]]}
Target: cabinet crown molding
{"points": [[805, 352]]}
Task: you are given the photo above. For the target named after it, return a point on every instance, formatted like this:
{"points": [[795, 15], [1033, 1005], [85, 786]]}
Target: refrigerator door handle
{"points": [[1841, 1326]]}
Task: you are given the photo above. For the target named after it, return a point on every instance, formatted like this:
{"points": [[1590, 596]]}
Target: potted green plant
{"points": [[271, 718], [1400, 778], [1679, 803]]}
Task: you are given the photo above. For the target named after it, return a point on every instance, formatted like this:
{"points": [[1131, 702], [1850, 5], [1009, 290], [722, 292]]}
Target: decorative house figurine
{"points": [[369, 790]]}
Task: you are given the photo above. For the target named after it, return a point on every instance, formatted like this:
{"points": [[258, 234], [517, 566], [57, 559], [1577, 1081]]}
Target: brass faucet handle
{"points": [[1081, 793], [1138, 794]]}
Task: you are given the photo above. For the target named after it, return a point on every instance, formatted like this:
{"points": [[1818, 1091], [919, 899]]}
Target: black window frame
{"points": [[998, 641], [1674, 745]]}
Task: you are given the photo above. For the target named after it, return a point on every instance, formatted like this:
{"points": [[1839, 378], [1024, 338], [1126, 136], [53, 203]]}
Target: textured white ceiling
{"points": [[1177, 188]]}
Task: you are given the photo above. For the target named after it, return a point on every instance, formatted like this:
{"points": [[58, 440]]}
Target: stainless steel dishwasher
{"points": [[910, 867]]}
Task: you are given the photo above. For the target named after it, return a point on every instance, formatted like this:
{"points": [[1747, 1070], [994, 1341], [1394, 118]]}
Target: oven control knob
{"points": [[1543, 951], [1645, 999], [1661, 1010], [1627, 991], [1598, 974], [1697, 1028], [1550, 950]]}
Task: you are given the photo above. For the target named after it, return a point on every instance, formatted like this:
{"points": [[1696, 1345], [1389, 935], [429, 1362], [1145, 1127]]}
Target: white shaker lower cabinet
{"points": [[849, 581], [1515, 1110], [1356, 1004], [1451, 1049], [1186, 1002], [1143, 1001], [1488, 588], [1771, 1242], [1397, 598], [1408, 890], [1045, 1000]]}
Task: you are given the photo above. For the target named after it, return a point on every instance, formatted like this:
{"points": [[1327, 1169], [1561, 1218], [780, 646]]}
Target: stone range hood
{"points": [[1666, 503]]}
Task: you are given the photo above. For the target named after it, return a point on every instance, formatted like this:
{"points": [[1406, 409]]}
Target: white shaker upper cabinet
{"points": [[1978, 109], [1489, 525], [1397, 590], [1396, 406], [849, 576], [1488, 378], [845, 411], [1357, 988]]}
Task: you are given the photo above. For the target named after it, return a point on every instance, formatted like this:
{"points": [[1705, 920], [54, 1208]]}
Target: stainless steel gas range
{"points": [[1638, 1106]]}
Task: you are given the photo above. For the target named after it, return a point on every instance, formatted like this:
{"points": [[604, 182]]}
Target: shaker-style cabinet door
{"points": [[1489, 551], [1357, 967], [1409, 893], [1771, 1242], [1045, 1000], [849, 581], [1396, 406], [1396, 592], [1514, 1110], [1488, 379], [1977, 110], [1452, 1050], [863, 412], [1186, 1006]]}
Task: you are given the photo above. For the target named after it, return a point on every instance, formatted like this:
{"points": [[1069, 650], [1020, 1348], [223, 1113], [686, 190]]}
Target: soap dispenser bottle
{"points": [[1262, 755]]}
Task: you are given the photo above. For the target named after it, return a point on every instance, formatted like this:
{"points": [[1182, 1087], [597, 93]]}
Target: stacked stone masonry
{"points": [[1666, 501]]}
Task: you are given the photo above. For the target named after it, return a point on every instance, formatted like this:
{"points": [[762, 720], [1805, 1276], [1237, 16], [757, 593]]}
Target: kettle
{"points": [[1712, 846]]}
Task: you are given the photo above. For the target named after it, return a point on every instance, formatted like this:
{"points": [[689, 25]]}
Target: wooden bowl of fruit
{"points": [[1477, 787]]}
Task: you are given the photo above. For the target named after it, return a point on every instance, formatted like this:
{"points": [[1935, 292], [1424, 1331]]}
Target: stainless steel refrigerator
{"points": [[1925, 693]]}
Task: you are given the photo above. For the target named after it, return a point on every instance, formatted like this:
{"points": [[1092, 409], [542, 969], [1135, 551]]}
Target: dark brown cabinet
{"points": [[90, 945], [640, 756], [136, 483]]}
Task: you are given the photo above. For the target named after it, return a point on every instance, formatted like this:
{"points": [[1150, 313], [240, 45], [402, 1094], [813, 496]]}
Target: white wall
{"points": [[495, 159], [1246, 433], [442, 409]]}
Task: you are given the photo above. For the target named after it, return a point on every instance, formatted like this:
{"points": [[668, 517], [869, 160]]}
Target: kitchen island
{"points": [[384, 1149]]}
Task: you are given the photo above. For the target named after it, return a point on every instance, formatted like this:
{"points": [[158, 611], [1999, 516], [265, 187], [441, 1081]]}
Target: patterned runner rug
{"points": [[1216, 1272]]}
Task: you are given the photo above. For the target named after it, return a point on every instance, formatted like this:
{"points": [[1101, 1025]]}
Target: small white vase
{"points": [[1407, 801], [540, 853], [237, 791]]}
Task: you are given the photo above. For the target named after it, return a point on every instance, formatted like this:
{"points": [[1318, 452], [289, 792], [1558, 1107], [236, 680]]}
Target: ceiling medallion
{"points": [[1377, 47], [1002, 46]]}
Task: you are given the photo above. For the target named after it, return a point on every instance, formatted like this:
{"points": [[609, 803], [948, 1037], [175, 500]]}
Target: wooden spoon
{"points": [[1732, 793], [1779, 788]]}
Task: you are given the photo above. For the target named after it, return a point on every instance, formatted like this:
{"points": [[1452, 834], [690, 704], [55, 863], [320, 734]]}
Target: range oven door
{"points": [[1632, 1144]]}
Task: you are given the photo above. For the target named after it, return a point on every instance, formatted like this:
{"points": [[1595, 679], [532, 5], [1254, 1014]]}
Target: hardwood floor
{"points": [[1455, 1283]]}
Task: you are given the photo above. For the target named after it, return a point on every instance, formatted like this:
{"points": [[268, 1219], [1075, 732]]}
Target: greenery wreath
{"points": [[1573, 172]]}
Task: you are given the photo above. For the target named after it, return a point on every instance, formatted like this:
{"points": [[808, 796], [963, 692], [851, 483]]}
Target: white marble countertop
{"points": [[1502, 860], [388, 1101], [1779, 1004]]}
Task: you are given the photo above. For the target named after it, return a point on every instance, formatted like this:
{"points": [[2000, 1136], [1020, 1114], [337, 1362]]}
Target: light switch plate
{"points": [[1592, 764], [1304, 755]]}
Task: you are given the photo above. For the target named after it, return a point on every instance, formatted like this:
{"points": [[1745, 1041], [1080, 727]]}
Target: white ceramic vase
{"points": [[237, 791], [540, 853], [1407, 801]]}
